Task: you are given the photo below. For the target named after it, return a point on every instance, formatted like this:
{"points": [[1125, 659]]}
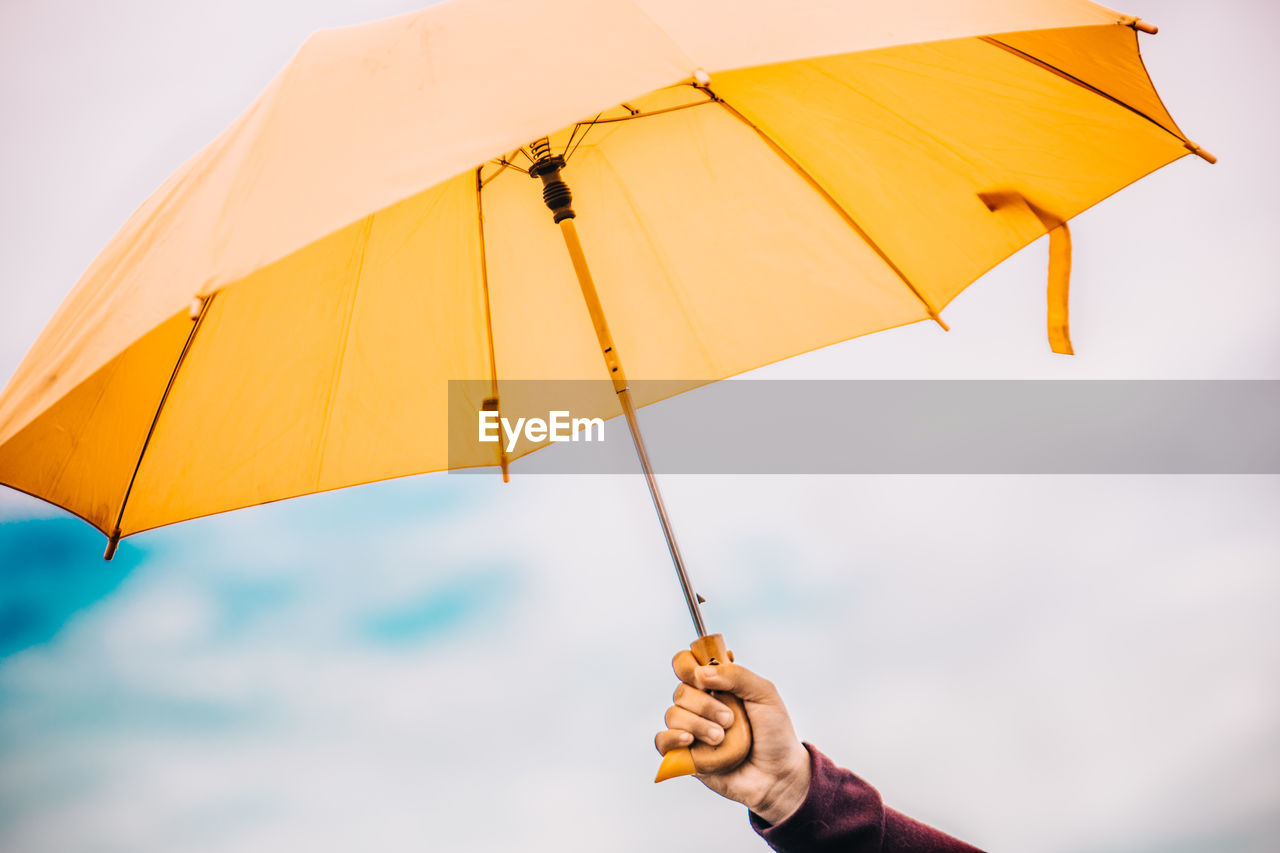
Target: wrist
{"points": [[788, 791]]}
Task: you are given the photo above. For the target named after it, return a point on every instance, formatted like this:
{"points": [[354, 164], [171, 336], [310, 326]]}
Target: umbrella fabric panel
{"points": [[711, 256], [910, 136], [326, 369], [723, 35], [1105, 57], [80, 453]]}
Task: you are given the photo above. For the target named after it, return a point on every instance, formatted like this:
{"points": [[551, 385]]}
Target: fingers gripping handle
{"points": [[730, 752]]}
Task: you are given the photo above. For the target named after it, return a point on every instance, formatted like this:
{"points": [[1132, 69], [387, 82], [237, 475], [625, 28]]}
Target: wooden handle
{"points": [[733, 750]]}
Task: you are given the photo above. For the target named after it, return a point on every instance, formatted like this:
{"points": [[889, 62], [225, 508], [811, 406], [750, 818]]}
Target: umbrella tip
{"points": [[113, 542], [1141, 26], [1200, 152]]}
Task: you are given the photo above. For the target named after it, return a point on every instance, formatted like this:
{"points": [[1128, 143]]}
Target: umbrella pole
{"points": [[619, 377], [707, 648], [558, 198]]}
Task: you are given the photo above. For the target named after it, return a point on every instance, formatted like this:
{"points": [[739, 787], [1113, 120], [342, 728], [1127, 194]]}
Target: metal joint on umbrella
{"points": [[555, 192]]}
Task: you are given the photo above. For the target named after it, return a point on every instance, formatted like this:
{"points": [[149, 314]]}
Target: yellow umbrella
{"points": [[755, 180]]}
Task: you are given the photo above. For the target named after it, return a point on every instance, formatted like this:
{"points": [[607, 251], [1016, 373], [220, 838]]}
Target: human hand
{"points": [[774, 779]]}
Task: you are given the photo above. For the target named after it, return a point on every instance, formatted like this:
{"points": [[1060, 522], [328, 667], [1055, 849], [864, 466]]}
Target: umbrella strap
{"points": [[1058, 290], [1059, 285]]}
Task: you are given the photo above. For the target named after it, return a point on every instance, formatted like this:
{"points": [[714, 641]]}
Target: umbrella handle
{"points": [[704, 758]]}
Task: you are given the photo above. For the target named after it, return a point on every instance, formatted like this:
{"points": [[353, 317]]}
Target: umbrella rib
{"points": [[503, 164], [835, 205], [1071, 78], [488, 314], [571, 148], [658, 112], [484, 283], [114, 535], [481, 180]]}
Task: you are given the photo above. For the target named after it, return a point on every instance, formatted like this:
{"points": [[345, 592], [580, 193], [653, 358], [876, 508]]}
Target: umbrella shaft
{"points": [[690, 597], [618, 376]]}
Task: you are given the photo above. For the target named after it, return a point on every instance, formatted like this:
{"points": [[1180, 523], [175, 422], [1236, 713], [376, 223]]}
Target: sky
{"points": [[1033, 663]]}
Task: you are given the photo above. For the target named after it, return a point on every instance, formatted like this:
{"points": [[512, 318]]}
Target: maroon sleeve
{"points": [[843, 814]]}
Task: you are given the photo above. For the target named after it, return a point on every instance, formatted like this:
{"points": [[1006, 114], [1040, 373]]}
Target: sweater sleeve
{"points": [[843, 814]]}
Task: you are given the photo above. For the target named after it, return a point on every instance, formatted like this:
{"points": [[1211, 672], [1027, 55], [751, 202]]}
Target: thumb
{"points": [[739, 681]]}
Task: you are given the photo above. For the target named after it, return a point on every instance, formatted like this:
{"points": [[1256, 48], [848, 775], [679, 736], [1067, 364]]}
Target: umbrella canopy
{"points": [[284, 315]]}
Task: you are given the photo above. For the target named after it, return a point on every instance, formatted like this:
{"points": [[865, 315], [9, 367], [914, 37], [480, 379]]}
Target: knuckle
{"points": [[681, 691], [720, 674]]}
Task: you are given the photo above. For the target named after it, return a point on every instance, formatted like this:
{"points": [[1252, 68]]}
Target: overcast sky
{"points": [[1033, 663]]}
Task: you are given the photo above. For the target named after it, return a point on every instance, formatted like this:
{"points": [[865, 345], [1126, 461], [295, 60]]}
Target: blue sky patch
{"points": [[51, 568], [449, 606]]}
